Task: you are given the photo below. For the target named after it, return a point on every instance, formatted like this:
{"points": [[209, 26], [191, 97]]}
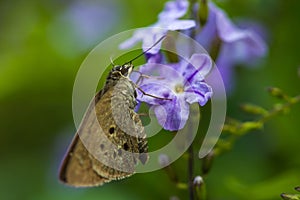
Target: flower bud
{"points": [[207, 162], [198, 180], [254, 109], [276, 92], [163, 160], [290, 196], [203, 12], [199, 185], [174, 198]]}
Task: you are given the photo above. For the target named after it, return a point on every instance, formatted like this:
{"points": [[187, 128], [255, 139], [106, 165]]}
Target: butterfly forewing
{"points": [[109, 141]]}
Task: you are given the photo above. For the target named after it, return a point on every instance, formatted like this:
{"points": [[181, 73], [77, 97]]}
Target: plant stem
{"points": [[276, 111], [191, 171], [239, 130]]}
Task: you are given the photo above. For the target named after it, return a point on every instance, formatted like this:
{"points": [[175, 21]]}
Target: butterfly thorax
{"points": [[119, 73], [125, 93]]}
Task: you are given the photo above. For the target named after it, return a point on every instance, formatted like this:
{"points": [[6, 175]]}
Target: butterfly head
{"points": [[122, 70]]}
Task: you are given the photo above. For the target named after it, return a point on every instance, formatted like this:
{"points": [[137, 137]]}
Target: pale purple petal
{"points": [[198, 92], [247, 49], [151, 38], [225, 64], [181, 25], [148, 36], [180, 67], [202, 63], [159, 89], [154, 58], [151, 68], [254, 27], [208, 32], [238, 46], [174, 9], [245, 44], [161, 73], [172, 115], [227, 31], [168, 20], [137, 36], [198, 67], [129, 43]]}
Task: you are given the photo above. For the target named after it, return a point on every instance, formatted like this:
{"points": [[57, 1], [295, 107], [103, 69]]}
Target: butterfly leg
{"points": [[150, 95], [145, 76]]}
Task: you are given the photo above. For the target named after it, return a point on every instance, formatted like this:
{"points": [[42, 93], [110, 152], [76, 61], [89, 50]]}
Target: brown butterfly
{"points": [[111, 138]]}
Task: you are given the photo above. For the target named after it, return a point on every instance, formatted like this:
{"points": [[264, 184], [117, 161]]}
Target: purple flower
{"points": [[238, 46], [181, 82], [168, 19]]}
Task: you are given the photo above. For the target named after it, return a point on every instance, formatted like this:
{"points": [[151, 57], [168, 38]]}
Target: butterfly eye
{"points": [[124, 70], [121, 69]]}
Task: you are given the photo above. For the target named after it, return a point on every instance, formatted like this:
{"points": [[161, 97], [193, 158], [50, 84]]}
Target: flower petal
{"points": [[208, 32], [159, 89], [174, 9], [150, 38], [246, 40], [198, 92], [181, 25], [148, 35], [239, 46], [227, 31], [247, 49], [225, 65], [198, 67], [202, 63], [172, 115], [154, 58], [137, 36], [162, 73], [167, 21]]}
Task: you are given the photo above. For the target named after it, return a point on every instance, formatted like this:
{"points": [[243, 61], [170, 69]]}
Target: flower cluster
{"points": [[168, 19], [238, 46], [183, 83]]}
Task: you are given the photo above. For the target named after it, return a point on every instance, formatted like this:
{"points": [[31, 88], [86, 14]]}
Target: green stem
{"points": [[191, 172], [241, 128], [275, 111]]}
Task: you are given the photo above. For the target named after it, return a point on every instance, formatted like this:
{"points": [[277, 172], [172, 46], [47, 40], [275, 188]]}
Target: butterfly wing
{"points": [[103, 132], [77, 167]]}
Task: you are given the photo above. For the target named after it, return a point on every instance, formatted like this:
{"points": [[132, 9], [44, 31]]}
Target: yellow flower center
{"points": [[179, 88]]}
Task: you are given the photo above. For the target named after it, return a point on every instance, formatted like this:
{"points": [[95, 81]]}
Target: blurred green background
{"points": [[42, 44]]}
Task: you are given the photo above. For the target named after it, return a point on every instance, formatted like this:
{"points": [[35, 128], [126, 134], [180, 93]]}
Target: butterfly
{"points": [[111, 138]]}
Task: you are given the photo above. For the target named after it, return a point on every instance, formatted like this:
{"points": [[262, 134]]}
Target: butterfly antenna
{"points": [[112, 61], [158, 41]]}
